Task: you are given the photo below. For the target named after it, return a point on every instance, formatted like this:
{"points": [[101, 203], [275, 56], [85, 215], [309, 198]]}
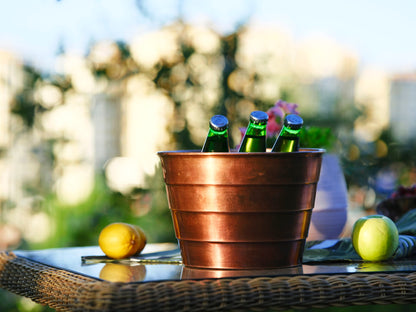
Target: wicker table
{"points": [[67, 288]]}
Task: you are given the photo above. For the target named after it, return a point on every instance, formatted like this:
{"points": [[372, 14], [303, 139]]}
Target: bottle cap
{"points": [[293, 121], [259, 117], [218, 123]]}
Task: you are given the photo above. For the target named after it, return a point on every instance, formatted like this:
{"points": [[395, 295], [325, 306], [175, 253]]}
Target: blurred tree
{"points": [[236, 91], [200, 82]]}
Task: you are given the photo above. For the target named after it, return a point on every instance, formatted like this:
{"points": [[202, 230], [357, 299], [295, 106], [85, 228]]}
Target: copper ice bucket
{"points": [[241, 210]]}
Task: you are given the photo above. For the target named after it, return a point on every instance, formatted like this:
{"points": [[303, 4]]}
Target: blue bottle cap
{"points": [[293, 121], [259, 117], [218, 123]]}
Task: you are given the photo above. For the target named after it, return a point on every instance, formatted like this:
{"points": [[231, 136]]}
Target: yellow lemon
{"points": [[117, 272], [120, 240], [375, 238], [143, 240]]}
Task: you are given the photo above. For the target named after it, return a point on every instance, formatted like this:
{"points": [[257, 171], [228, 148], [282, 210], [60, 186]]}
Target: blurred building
{"points": [[372, 99], [402, 107], [106, 119], [329, 96], [11, 80], [102, 118]]}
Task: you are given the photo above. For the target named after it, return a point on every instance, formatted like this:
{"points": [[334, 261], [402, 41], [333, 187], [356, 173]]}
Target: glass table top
{"points": [[73, 259]]}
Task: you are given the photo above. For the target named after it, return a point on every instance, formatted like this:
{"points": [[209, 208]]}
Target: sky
{"points": [[379, 32]]}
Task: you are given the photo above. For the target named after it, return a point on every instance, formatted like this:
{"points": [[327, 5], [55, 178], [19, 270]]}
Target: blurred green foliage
{"points": [[79, 225], [317, 137]]}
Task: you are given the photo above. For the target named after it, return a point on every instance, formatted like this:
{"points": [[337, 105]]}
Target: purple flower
{"points": [[277, 115]]}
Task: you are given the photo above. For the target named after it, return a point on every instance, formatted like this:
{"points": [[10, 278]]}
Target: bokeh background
{"points": [[91, 90]]}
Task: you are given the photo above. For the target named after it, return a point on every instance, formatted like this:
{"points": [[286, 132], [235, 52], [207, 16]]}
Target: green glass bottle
{"points": [[217, 138], [254, 139], [288, 139]]}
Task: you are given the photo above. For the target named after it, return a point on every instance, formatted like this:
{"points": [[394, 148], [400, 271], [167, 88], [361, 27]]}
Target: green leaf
{"points": [[317, 137]]}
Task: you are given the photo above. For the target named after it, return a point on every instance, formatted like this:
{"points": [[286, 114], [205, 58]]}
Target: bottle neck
{"points": [[287, 132], [254, 139], [213, 132], [256, 129], [287, 141], [216, 141]]}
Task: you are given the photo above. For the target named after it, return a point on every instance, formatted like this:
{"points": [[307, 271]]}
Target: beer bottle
{"points": [[288, 139], [254, 139], [217, 138]]}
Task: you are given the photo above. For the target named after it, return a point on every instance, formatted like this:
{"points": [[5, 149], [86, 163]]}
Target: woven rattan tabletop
{"points": [[67, 289]]}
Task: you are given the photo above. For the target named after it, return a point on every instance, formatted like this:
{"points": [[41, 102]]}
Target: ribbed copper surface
{"points": [[241, 210], [226, 227]]}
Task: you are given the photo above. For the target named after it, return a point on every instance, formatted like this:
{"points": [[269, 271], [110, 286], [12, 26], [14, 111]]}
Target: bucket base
{"points": [[242, 256], [198, 273]]}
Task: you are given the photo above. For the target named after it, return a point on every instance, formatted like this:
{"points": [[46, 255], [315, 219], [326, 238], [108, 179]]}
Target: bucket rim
{"points": [[301, 153]]}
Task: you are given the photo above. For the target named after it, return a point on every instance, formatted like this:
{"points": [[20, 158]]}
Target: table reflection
{"points": [[196, 273], [118, 272], [130, 271]]}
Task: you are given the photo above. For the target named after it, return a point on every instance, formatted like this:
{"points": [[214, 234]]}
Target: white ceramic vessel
{"points": [[329, 214]]}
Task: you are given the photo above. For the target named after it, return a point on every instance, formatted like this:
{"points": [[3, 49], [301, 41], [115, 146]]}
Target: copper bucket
{"points": [[241, 210]]}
